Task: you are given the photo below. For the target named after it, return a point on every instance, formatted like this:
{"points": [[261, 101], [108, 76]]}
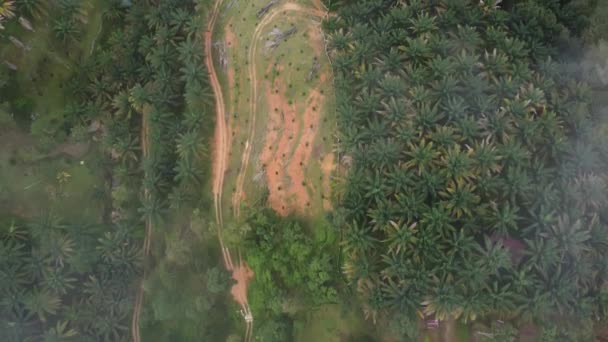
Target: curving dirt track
{"points": [[139, 297], [241, 273], [220, 132], [287, 7]]}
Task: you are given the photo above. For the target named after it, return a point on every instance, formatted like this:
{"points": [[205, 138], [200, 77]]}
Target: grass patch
{"points": [[30, 184]]}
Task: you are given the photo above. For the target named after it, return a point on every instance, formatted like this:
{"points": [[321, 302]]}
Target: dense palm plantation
{"points": [[145, 85], [61, 280], [472, 176], [477, 187]]}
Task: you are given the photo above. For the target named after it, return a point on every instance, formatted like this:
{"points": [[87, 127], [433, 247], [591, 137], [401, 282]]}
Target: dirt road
{"points": [[241, 273], [139, 297]]}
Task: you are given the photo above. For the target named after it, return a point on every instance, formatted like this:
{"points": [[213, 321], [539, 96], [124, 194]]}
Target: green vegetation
{"points": [[290, 268], [471, 185], [477, 185], [116, 111]]}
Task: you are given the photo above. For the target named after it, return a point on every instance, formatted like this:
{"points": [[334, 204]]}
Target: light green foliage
{"points": [[291, 271]]}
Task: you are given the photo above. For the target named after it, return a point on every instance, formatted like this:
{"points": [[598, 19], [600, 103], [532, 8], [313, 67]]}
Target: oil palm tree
{"points": [[459, 245], [417, 50], [384, 152], [192, 74], [60, 333], [156, 17], [189, 145], [410, 205], [164, 35], [486, 157], [179, 17], [443, 301], [368, 75], [121, 104], [358, 239], [65, 29], [7, 9], [401, 236], [32, 8], [392, 87], [422, 156], [380, 215], [17, 324], [396, 266], [572, 238], [339, 40], [58, 280], [186, 172], [193, 119], [13, 277], [460, 198], [126, 149], [110, 326], [194, 25], [394, 111], [57, 249], [12, 251], [152, 209], [138, 96], [190, 51], [445, 136], [457, 164], [375, 187], [42, 303], [375, 301], [504, 218], [391, 62], [368, 102], [438, 219]]}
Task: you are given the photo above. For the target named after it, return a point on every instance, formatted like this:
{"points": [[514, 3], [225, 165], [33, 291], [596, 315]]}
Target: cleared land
{"points": [[277, 80]]}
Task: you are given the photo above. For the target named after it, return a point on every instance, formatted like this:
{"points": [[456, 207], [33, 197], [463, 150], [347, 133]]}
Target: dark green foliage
{"points": [[57, 279], [275, 330], [469, 160], [78, 282]]}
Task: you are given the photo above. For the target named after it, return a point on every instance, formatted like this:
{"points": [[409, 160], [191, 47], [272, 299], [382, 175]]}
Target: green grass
{"points": [[29, 186], [463, 332], [330, 323], [28, 179]]}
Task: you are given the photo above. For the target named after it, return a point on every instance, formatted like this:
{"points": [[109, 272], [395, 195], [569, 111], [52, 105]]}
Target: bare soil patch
{"points": [[302, 155], [282, 127], [243, 275]]}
